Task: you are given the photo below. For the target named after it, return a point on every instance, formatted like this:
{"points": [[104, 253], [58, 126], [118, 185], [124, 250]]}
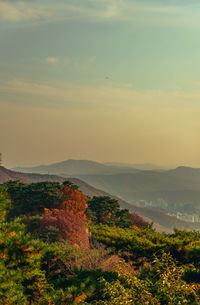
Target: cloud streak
{"points": [[141, 12], [19, 11], [136, 11], [100, 97]]}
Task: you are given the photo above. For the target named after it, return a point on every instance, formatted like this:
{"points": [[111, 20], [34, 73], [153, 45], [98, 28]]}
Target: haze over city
{"points": [[101, 80]]}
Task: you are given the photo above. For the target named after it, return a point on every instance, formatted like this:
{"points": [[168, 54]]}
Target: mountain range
{"points": [[174, 190], [140, 166], [162, 222], [77, 167]]}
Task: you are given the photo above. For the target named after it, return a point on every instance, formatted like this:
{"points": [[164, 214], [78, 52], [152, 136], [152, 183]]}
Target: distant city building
{"points": [[187, 217]]}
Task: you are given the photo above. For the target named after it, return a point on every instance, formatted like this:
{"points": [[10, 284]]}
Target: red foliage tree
{"points": [[70, 226], [69, 218], [138, 221], [75, 202]]}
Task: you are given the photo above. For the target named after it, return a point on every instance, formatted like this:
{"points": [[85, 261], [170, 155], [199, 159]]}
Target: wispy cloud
{"points": [[104, 96], [137, 11], [89, 10], [52, 60], [19, 11], [95, 10]]}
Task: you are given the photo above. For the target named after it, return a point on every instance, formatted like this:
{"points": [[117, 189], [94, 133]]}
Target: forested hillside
{"points": [[58, 246]]}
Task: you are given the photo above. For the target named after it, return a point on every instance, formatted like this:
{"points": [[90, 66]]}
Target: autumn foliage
{"points": [[70, 219], [128, 262], [138, 221], [74, 202]]}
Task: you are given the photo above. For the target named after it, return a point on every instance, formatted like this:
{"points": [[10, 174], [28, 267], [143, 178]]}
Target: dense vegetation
{"points": [[57, 246]]}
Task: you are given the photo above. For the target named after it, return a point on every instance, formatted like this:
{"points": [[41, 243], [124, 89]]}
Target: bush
{"points": [[22, 280]]}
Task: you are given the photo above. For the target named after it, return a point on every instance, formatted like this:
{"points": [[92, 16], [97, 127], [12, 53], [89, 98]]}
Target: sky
{"points": [[104, 80]]}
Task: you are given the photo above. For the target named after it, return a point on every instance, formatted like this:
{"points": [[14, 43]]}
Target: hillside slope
{"points": [[179, 187], [7, 175], [162, 221]]}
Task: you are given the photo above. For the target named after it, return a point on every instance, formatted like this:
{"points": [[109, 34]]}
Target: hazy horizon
{"points": [[147, 164], [103, 80]]}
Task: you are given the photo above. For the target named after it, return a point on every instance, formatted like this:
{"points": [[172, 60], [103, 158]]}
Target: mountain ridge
{"points": [[178, 187], [170, 223], [76, 167], [180, 184]]}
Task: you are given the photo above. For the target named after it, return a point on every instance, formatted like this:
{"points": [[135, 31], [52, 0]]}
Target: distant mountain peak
{"points": [[73, 167], [183, 168]]}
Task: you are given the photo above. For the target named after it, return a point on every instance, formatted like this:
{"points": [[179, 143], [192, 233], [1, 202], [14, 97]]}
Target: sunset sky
{"points": [[105, 80]]}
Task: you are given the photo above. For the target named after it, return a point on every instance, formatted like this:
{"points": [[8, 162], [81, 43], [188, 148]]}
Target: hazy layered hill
{"points": [[8, 175], [180, 186], [162, 222], [77, 167], [142, 166]]}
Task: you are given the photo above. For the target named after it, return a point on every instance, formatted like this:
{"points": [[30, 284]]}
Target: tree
{"points": [[22, 281], [138, 221], [106, 210], [70, 184], [74, 201], [71, 226], [32, 198], [69, 218], [124, 218], [5, 203]]}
